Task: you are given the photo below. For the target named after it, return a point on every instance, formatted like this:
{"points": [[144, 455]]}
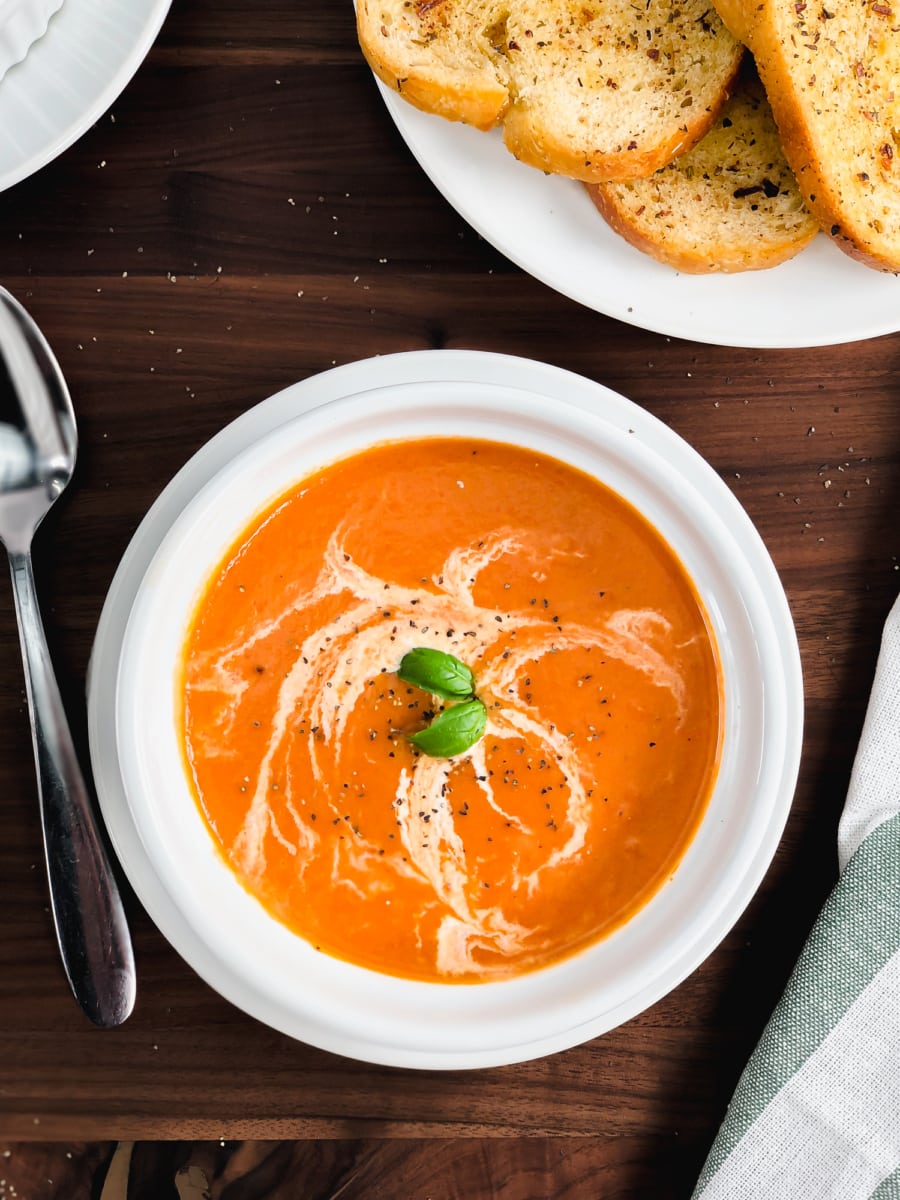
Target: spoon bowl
{"points": [[38, 448]]}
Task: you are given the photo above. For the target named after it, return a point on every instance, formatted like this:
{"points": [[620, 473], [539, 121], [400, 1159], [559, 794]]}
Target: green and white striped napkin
{"points": [[816, 1113]]}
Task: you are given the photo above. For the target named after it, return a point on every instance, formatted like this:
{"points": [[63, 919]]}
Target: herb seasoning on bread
{"points": [[730, 204], [589, 90], [832, 75]]}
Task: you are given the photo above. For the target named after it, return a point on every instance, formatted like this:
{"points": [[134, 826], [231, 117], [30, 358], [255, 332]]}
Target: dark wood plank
{"points": [[491, 1169]]}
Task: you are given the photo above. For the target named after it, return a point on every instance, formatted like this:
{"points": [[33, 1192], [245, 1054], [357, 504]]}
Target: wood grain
{"points": [[245, 216], [491, 1169]]}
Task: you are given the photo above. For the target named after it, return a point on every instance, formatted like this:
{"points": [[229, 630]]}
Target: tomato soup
{"points": [[588, 647]]}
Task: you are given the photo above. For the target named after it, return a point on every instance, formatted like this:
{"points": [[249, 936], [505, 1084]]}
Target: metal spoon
{"points": [[38, 443]]}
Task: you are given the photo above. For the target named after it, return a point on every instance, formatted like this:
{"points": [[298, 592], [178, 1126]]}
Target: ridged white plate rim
{"points": [[22, 23], [70, 77]]}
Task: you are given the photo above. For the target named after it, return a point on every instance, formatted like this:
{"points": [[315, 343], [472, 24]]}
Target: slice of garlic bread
{"points": [[729, 204], [590, 89], [832, 74]]}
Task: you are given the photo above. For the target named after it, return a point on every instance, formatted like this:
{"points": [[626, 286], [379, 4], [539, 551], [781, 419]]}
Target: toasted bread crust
{"points": [[589, 89], [623, 162], [451, 79], [833, 80], [730, 204]]}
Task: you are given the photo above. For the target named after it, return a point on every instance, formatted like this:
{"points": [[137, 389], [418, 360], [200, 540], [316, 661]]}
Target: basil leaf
{"points": [[438, 673], [454, 731]]}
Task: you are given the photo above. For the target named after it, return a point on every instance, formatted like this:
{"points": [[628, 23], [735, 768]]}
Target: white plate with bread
{"points": [[561, 86]]}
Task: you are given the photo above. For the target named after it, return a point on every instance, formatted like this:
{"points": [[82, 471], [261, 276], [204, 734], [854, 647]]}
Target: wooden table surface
{"points": [[245, 216]]}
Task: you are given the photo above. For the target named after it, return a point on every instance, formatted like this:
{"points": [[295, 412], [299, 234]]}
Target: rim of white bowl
{"points": [[354, 1012]]}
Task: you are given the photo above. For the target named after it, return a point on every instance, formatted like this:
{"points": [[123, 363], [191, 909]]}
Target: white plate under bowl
{"points": [[156, 828], [550, 228], [70, 77]]}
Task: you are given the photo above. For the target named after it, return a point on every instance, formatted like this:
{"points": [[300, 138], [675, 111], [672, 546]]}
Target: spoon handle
{"points": [[87, 909]]}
